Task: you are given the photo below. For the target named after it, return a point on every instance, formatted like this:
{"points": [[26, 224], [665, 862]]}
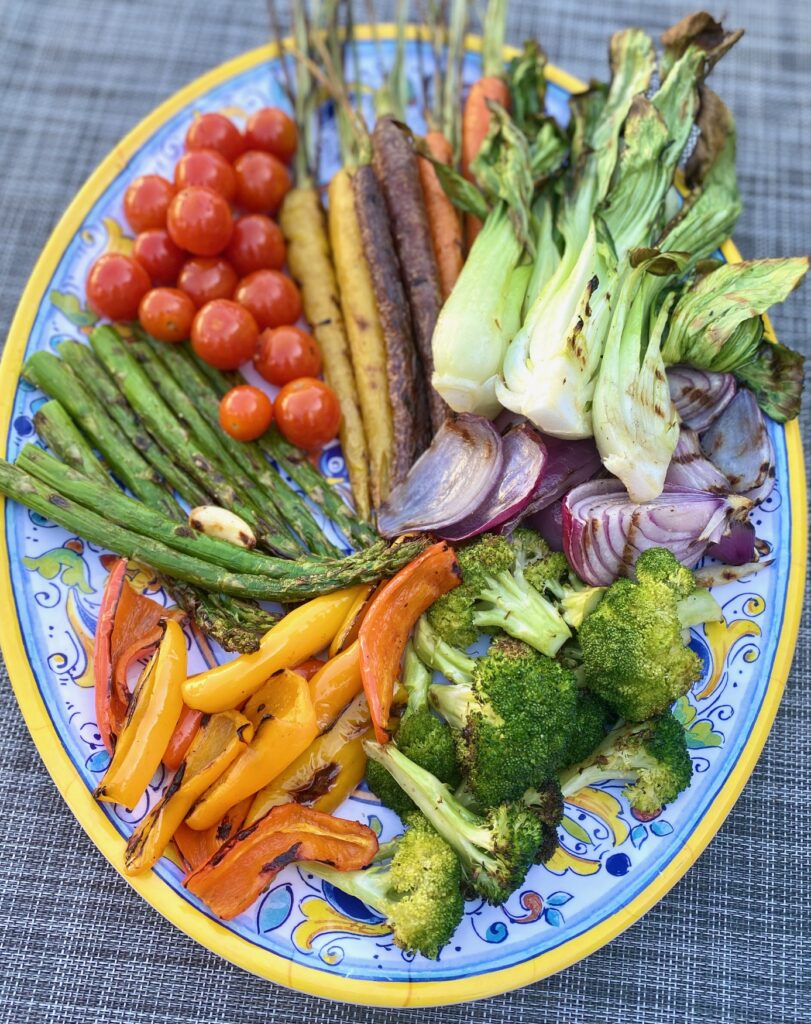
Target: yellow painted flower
{"points": [[321, 919]]}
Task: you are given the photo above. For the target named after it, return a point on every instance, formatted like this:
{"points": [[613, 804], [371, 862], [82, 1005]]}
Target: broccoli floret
{"points": [[592, 720], [513, 721], [495, 850], [651, 757], [442, 657], [547, 802], [507, 602], [451, 617], [529, 547], [421, 735], [418, 890], [658, 565], [634, 655], [486, 556], [552, 569]]}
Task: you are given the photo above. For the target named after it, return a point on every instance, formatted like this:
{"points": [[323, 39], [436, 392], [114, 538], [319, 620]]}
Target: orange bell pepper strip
{"points": [[238, 873], [308, 668], [348, 633], [303, 632], [284, 718], [182, 738], [151, 718], [332, 688], [103, 653], [196, 848], [392, 615], [221, 739], [328, 770]]}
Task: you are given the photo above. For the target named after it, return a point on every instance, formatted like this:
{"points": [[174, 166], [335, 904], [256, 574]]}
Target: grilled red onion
{"points": [[737, 546], [700, 396], [604, 532], [738, 444], [549, 523], [524, 461], [690, 467], [449, 481]]}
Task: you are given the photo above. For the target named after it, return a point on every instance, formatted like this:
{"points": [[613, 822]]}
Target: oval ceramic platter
{"points": [[612, 865]]}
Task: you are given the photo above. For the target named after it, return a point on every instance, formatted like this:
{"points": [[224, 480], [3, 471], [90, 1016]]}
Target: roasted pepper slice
{"points": [[282, 714], [335, 684], [197, 847], [392, 615], [103, 654], [221, 738], [302, 633], [248, 863], [153, 713], [182, 738], [328, 770], [348, 631]]}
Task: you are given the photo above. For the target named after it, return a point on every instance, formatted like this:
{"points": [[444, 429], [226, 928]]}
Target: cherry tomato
{"points": [[262, 181], [285, 353], [272, 298], [207, 277], [246, 412], [224, 334], [158, 255], [256, 244], [167, 314], [215, 131], [115, 285], [146, 202], [308, 413], [200, 220], [271, 130], [206, 167]]}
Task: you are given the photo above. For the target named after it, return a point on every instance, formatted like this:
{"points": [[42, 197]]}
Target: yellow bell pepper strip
{"points": [[283, 716], [348, 632], [393, 613], [195, 848], [151, 719], [220, 739], [328, 770], [239, 872], [335, 684], [303, 632]]}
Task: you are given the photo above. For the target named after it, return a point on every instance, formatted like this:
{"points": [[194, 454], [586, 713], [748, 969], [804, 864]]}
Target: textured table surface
{"points": [[730, 943]]}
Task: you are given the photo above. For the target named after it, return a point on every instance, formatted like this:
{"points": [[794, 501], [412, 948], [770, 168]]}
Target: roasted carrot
{"points": [[443, 218]]}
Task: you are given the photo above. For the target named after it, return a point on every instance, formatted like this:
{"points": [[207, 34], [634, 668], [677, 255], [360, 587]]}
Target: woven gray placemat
{"points": [[731, 942]]}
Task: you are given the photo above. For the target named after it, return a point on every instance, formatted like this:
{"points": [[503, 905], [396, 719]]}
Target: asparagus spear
{"points": [[56, 379], [59, 432], [165, 364], [300, 584], [293, 461], [176, 440], [80, 358], [235, 625]]}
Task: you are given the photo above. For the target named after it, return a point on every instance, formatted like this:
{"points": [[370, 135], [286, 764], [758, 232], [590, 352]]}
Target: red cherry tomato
{"points": [[206, 167], [215, 131], [308, 413], [167, 314], [158, 255], [224, 334], [245, 412], [272, 298], [115, 285], [285, 353], [207, 277], [262, 181], [271, 130], [146, 202], [200, 220], [256, 244]]}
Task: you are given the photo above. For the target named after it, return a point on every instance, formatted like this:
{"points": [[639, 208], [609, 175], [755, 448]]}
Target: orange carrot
{"points": [[475, 125], [443, 219]]}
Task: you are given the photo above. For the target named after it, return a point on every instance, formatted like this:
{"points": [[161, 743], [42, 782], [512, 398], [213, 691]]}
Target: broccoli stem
{"points": [[518, 609], [697, 608], [453, 703], [440, 656], [416, 680], [371, 885]]}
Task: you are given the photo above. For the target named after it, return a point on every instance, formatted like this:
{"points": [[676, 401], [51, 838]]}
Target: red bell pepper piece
{"points": [[103, 652]]}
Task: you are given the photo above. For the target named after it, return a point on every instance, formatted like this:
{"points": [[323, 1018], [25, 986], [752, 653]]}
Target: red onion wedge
{"points": [[738, 443], [604, 532], [700, 396], [524, 461], [690, 467], [449, 481], [549, 524], [737, 546]]}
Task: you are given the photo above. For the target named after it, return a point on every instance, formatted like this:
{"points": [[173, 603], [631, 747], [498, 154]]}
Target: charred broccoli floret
{"points": [[417, 889], [546, 800], [592, 720], [513, 721], [652, 757], [495, 850], [658, 565]]}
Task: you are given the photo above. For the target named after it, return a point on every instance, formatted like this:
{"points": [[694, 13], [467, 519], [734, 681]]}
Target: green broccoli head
{"points": [[513, 722], [452, 618], [419, 890], [634, 656], [658, 565], [546, 800], [652, 757], [486, 556], [529, 547], [553, 569], [593, 719]]}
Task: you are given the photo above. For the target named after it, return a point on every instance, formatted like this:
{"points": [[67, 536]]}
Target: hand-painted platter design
{"points": [[612, 865]]}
